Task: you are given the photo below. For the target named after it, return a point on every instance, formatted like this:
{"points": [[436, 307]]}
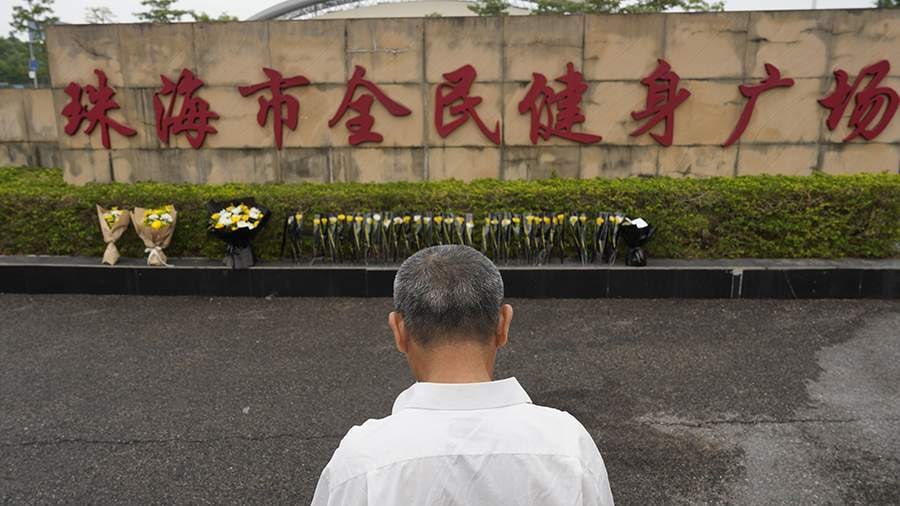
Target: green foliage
{"points": [[758, 216], [620, 7], [164, 11], [490, 7], [203, 17], [887, 4], [37, 13], [14, 61], [161, 11]]}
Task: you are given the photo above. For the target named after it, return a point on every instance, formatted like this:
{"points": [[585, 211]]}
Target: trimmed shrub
{"points": [[754, 217]]}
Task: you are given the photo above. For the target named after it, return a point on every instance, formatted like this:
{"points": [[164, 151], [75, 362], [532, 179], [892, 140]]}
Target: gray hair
{"points": [[449, 291]]}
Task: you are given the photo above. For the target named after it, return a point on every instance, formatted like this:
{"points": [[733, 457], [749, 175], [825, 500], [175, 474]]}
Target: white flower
{"points": [[166, 217], [242, 224], [153, 217], [398, 220], [427, 219], [505, 222], [417, 218], [254, 213], [377, 217], [251, 226]]}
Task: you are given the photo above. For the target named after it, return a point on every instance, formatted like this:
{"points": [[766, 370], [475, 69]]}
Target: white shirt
{"points": [[470, 444]]}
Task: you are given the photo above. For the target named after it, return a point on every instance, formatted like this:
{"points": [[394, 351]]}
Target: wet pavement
{"points": [[197, 400]]}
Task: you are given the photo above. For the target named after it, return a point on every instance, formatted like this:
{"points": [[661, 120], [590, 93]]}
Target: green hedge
{"points": [[759, 216]]}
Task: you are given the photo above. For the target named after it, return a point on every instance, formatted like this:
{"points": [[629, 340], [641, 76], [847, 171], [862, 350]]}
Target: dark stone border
{"points": [[663, 279]]}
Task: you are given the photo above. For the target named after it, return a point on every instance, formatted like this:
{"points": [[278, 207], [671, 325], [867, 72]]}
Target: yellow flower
{"points": [[359, 219], [516, 220], [582, 218], [560, 217], [324, 221], [407, 219], [547, 220], [341, 217], [438, 219], [599, 220], [235, 219], [460, 219], [156, 225], [215, 217], [219, 225]]}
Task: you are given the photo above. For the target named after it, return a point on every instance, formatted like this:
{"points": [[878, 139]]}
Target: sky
{"points": [[72, 11]]}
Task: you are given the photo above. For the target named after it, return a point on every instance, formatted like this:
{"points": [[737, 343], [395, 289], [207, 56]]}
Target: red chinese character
{"points": [[541, 99], [869, 101], [193, 115], [663, 96], [102, 99], [276, 83], [773, 80], [459, 83], [360, 126]]}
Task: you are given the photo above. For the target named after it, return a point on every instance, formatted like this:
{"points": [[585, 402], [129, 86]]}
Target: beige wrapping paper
{"points": [[154, 240], [112, 234]]}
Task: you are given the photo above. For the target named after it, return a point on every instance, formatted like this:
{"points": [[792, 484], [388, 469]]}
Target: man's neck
{"points": [[466, 363]]}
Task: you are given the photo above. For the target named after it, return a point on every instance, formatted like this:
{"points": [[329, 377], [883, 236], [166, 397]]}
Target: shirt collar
{"points": [[462, 396]]}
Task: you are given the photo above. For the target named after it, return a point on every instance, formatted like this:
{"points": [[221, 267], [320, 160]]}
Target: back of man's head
{"points": [[447, 293]]}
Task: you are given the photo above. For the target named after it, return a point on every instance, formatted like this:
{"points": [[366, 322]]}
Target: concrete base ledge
{"points": [[732, 278]]}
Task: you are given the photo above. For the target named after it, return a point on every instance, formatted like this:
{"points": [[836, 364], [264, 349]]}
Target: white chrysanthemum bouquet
{"points": [[236, 223]]}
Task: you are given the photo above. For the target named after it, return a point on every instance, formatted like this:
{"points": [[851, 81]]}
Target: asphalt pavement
{"points": [[136, 400]]}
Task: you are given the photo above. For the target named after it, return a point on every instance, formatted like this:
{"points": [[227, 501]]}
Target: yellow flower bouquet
{"points": [[236, 223], [113, 223], [155, 227]]}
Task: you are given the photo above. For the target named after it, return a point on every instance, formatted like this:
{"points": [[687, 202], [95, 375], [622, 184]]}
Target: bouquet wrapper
{"points": [[239, 249], [112, 234], [636, 237], [154, 240]]}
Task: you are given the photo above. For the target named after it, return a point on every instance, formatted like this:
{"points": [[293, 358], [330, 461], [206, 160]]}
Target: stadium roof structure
{"points": [[307, 9]]}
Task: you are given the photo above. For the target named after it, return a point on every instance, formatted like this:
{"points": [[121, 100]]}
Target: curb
{"points": [[727, 279]]}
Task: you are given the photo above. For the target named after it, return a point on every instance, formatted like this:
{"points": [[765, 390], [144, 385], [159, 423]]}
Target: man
{"points": [[456, 437]]}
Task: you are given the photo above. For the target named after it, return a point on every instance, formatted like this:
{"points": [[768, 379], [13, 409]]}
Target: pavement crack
{"points": [[703, 424], [137, 441]]}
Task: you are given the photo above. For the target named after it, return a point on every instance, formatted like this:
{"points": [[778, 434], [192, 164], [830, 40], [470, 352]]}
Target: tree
{"points": [[14, 61], [620, 7], [161, 11], [202, 17], [33, 13], [490, 7], [99, 15], [887, 4]]}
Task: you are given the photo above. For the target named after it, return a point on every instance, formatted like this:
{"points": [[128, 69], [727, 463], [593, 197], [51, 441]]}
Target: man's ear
{"points": [[502, 336], [401, 336]]}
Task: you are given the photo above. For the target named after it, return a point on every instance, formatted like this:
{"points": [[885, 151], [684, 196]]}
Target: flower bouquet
{"points": [[293, 232], [236, 222], [113, 223], [636, 233], [155, 227]]}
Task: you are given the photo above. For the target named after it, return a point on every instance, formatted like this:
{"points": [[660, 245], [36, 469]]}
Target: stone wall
{"points": [[28, 128], [712, 53]]}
